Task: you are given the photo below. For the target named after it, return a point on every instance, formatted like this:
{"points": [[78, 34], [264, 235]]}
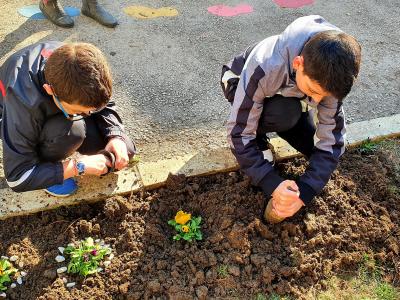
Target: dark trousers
{"points": [[60, 138], [284, 116]]}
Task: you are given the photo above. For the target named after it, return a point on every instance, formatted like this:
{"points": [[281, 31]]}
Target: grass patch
{"points": [[222, 271], [368, 147], [273, 296], [367, 284]]}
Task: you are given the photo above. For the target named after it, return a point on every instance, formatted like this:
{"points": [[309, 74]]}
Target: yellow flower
{"points": [[182, 218], [185, 228]]}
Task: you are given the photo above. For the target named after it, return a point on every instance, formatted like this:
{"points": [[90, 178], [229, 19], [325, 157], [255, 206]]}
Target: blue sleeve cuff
{"points": [[307, 193], [269, 183]]}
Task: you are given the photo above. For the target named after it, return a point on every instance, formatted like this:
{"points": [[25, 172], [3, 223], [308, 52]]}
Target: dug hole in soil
{"points": [[358, 212]]}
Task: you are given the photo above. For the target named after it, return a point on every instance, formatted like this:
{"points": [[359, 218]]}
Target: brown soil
{"points": [[357, 213]]}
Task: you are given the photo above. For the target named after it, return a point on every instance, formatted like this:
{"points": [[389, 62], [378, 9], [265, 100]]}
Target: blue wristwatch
{"points": [[80, 166]]}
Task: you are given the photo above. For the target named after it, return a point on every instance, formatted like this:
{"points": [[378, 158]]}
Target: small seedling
{"points": [[260, 296], [274, 296], [368, 147], [134, 160], [85, 257], [385, 291], [6, 270], [188, 228], [222, 271]]}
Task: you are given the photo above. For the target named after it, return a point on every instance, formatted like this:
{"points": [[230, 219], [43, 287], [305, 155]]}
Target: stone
{"points": [[201, 292], [61, 270], [199, 277], [123, 288], [50, 274], [13, 258], [154, 286], [257, 260], [60, 258], [234, 270], [107, 263]]}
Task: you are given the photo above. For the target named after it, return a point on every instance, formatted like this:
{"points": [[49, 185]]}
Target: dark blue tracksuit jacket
{"points": [[24, 108]]}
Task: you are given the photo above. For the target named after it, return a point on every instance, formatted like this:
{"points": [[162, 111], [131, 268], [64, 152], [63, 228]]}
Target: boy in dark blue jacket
{"points": [[55, 100], [276, 86]]}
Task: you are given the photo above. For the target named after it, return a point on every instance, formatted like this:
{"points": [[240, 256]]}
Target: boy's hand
{"points": [[285, 199], [119, 149], [95, 164]]}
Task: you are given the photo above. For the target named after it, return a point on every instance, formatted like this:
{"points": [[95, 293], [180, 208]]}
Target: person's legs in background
{"points": [[53, 11]]}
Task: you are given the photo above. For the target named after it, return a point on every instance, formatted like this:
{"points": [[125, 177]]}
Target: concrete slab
{"points": [[91, 188], [373, 130], [154, 174]]}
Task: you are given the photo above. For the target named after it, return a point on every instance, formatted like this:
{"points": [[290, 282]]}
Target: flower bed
{"points": [[239, 255]]}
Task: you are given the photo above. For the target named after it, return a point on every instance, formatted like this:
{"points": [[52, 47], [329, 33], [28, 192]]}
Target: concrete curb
{"points": [[154, 174]]}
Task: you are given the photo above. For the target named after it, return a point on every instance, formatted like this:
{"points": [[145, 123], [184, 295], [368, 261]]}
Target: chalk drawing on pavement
{"points": [[230, 11], [33, 12], [144, 12], [293, 3]]}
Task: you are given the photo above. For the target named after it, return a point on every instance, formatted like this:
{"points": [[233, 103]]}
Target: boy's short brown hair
{"points": [[332, 58], [79, 74]]}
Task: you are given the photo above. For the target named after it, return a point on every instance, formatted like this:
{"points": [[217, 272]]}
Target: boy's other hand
{"points": [[95, 164], [285, 199], [118, 147]]}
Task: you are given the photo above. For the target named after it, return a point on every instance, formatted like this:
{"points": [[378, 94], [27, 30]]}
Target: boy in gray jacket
{"points": [[55, 100], [272, 85]]}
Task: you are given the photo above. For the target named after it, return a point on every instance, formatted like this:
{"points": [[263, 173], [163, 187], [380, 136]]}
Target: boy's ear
{"points": [[298, 63], [48, 89]]}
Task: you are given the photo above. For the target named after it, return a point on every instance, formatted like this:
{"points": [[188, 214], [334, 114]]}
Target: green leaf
{"points": [[199, 235], [197, 220], [177, 237], [187, 237], [172, 222]]}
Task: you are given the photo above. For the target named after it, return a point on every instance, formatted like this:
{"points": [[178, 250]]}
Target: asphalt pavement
{"points": [[166, 70]]}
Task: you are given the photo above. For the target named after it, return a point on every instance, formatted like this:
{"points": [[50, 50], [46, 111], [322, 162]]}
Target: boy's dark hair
{"points": [[79, 74], [332, 59]]}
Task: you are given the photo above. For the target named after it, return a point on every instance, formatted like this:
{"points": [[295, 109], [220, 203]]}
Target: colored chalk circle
{"points": [[33, 12], [293, 3], [144, 12], [230, 11]]}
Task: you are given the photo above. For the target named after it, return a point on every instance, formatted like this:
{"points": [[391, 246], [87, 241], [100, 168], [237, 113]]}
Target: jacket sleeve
{"points": [[109, 122], [330, 134], [20, 133], [253, 87]]}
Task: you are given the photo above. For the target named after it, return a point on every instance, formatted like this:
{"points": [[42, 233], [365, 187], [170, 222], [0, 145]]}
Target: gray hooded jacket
{"points": [[267, 71]]}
